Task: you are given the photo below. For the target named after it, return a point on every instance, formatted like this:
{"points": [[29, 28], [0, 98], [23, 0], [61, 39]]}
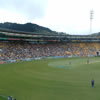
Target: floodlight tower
{"points": [[91, 18]]}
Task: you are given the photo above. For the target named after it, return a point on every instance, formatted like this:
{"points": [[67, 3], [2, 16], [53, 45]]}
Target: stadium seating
{"points": [[15, 50]]}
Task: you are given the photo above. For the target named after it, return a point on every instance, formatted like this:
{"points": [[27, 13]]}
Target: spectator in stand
{"points": [[15, 51]]}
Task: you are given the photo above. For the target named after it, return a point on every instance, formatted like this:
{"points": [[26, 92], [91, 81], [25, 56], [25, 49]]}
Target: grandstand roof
{"points": [[6, 34]]}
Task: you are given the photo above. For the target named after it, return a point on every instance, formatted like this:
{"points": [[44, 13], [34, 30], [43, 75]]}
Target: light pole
{"points": [[91, 18]]}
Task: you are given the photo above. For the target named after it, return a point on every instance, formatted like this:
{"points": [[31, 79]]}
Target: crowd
{"points": [[15, 50]]}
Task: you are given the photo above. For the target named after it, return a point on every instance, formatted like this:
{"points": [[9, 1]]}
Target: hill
{"points": [[96, 34], [28, 27]]}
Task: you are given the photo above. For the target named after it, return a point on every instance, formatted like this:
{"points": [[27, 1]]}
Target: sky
{"points": [[69, 16]]}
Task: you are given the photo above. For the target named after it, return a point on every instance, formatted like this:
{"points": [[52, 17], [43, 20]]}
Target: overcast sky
{"points": [[70, 16]]}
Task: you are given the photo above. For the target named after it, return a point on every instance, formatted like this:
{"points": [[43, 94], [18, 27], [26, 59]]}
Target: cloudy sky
{"points": [[70, 16]]}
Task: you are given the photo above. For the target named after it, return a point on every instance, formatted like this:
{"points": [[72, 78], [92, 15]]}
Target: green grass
{"points": [[43, 80], [1, 98]]}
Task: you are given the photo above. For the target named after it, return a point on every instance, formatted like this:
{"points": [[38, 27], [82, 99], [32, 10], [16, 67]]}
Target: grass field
{"points": [[1, 98], [53, 79]]}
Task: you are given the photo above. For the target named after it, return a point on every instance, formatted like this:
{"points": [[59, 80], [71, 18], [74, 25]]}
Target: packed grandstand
{"points": [[19, 45]]}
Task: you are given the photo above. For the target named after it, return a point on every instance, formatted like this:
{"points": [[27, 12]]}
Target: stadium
{"points": [[49, 66]]}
